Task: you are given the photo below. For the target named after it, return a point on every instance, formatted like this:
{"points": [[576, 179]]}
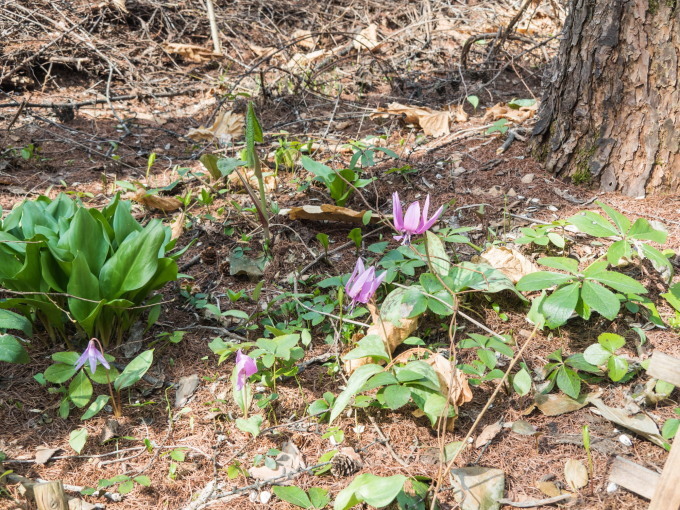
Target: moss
{"points": [[653, 7], [582, 173]]}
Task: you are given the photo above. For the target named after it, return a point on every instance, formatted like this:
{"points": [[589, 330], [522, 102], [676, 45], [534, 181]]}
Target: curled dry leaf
{"points": [[391, 335], [367, 39], [488, 434], [304, 38], [287, 462], [327, 212], [227, 126], [510, 262], [459, 392], [177, 228], [434, 123], [458, 113], [502, 111], [575, 474], [301, 60], [165, 204], [191, 52]]}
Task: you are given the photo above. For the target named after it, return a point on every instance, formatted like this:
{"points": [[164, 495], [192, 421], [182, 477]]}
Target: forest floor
{"points": [[310, 82]]}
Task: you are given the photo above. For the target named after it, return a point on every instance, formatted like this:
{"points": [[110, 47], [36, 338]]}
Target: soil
{"points": [[88, 150]]}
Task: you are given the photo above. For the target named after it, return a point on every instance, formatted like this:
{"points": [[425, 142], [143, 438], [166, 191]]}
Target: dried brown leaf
{"points": [[434, 123], [575, 474], [488, 434], [524, 428], [165, 204], [227, 126], [304, 38], [460, 391], [502, 111], [549, 489], [191, 52], [510, 262], [288, 461], [177, 228], [556, 404], [42, 454], [303, 60], [269, 180], [458, 113], [327, 212], [367, 39]]}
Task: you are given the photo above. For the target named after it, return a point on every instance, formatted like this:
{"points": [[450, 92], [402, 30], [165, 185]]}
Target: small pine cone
{"points": [[346, 462]]}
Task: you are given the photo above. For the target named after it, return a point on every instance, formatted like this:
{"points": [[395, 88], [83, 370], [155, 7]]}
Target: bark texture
{"points": [[611, 110]]}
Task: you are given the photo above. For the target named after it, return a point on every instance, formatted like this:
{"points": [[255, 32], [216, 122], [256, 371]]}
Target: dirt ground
{"points": [[57, 57]]}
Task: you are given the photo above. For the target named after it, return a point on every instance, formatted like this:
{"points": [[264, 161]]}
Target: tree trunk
{"points": [[611, 109]]}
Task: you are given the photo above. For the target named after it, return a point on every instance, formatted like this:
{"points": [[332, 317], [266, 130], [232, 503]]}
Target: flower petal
{"points": [[412, 218], [426, 226], [397, 213]]}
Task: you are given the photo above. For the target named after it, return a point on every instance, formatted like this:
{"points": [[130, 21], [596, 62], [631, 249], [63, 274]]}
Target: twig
{"points": [[387, 444], [214, 32], [536, 502], [92, 102]]}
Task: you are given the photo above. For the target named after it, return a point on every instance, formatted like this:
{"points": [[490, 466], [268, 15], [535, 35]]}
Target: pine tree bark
{"points": [[611, 109]]}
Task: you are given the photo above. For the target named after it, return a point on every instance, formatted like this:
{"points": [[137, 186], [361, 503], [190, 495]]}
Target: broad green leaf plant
{"points": [[67, 264]]}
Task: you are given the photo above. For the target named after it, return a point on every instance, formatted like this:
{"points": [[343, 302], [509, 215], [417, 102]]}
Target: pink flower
{"points": [[363, 283], [245, 367], [93, 355], [412, 223]]}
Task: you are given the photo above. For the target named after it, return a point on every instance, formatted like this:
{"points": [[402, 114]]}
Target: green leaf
{"points": [[621, 222], [59, 373], [541, 280], [368, 346], [293, 495], [95, 407], [441, 263], [559, 306], [593, 224], [420, 372], [600, 299], [568, 381], [143, 480], [11, 320], [617, 367], [521, 382], [397, 396], [618, 251], [618, 281], [80, 389], [435, 407], [556, 239], [83, 284], [659, 261], [673, 296], [67, 357], [125, 487], [670, 428], [563, 263], [596, 355], [134, 371], [77, 439], [371, 489], [86, 238], [319, 497], [134, 264], [611, 341], [402, 303], [473, 100], [643, 231], [11, 350], [354, 385], [210, 162], [251, 425]]}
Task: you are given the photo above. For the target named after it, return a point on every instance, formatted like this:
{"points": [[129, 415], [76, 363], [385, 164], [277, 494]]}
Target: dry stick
{"points": [[483, 411], [215, 34]]}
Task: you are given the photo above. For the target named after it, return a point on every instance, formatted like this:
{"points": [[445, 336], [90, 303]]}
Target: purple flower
{"points": [[363, 283], [412, 223], [93, 355], [245, 367]]}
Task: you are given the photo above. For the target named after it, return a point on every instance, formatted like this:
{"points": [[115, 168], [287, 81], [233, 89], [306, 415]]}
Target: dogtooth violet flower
{"points": [[363, 283], [245, 367], [412, 223], [93, 355]]}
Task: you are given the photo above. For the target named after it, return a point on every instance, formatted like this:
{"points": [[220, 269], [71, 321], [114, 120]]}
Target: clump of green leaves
{"points": [[542, 235], [340, 183], [628, 237], [578, 292], [82, 266], [603, 354], [315, 497]]}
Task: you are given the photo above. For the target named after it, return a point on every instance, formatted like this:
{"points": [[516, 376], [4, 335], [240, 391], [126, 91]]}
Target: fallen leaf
{"points": [[640, 423], [367, 39], [510, 262], [556, 404], [288, 461], [120, 4], [549, 489], [304, 60], [575, 474], [524, 428], [502, 111], [478, 488], [165, 204], [178, 226], [109, 431], [241, 265], [304, 38], [488, 434], [185, 388], [328, 212], [460, 392], [434, 123], [227, 126], [191, 52], [391, 335], [458, 113], [42, 454]]}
